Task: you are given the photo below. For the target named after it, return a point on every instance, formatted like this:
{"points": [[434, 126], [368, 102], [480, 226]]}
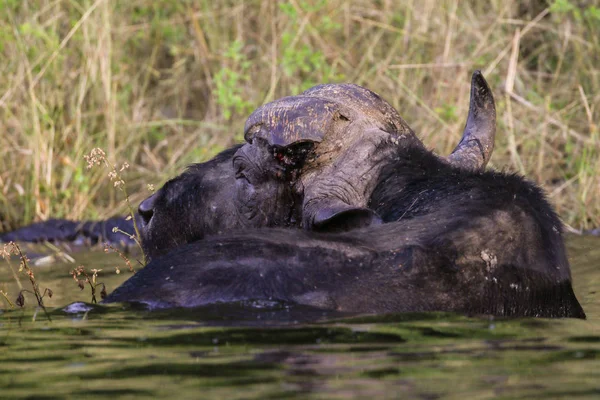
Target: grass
{"points": [[161, 84], [13, 249]]}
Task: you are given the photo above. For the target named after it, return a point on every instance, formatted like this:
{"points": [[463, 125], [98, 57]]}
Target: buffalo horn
{"points": [[475, 148]]}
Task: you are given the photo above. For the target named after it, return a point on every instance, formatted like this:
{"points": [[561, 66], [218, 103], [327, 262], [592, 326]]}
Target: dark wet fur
{"points": [[453, 241]]}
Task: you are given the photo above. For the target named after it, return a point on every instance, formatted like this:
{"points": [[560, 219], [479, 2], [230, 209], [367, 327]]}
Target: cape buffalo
{"points": [[461, 241], [454, 238]]}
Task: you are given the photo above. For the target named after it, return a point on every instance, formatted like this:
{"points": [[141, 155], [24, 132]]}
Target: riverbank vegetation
{"points": [[160, 84]]}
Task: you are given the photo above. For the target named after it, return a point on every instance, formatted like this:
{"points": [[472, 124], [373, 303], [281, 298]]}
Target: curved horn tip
{"points": [[481, 94], [478, 78], [477, 75]]}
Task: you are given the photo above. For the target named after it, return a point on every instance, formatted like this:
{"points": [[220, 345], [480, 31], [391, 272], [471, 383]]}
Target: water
{"points": [[229, 352]]}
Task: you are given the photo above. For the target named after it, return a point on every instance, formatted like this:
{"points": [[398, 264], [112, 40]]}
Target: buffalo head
{"points": [[245, 186], [358, 133]]}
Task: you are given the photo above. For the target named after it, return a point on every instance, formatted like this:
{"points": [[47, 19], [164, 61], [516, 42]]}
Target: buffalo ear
{"points": [[343, 217]]}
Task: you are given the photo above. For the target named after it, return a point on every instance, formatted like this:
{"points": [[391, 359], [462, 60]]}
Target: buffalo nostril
{"points": [[146, 209]]}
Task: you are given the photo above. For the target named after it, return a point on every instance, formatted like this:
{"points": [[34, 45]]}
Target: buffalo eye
{"points": [[241, 175]]}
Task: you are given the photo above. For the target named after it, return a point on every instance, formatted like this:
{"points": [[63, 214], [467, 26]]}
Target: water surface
{"points": [[271, 352]]}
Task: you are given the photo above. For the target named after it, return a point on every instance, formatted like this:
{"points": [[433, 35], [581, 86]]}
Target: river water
{"points": [[272, 352]]}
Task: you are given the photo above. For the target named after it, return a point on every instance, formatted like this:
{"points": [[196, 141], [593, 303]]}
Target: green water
{"points": [[230, 352]]}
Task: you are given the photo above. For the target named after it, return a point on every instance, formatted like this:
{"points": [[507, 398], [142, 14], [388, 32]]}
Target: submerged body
{"points": [[454, 241], [86, 232]]}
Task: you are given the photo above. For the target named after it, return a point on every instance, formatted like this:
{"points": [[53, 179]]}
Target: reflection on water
{"points": [[269, 351]]}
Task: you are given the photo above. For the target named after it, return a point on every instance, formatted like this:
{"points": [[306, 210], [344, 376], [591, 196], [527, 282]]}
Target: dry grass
{"points": [[161, 84]]}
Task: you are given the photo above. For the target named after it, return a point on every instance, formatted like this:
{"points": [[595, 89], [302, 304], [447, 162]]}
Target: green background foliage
{"points": [[161, 84]]}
